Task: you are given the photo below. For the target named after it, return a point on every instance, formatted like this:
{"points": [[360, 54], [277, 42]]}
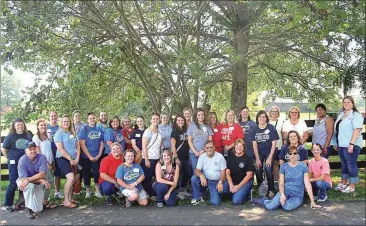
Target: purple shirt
{"points": [[27, 168]]}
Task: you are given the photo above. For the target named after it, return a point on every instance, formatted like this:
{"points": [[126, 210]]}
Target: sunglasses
{"points": [[292, 153]]}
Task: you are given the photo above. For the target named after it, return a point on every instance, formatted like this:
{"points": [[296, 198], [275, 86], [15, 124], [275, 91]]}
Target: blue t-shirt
{"points": [[69, 142], [102, 127], [130, 174], [165, 131], [302, 152], [264, 138], [27, 168], [16, 144], [114, 136], [248, 127], [137, 136], [92, 137], [51, 130], [199, 136], [294, 178]]}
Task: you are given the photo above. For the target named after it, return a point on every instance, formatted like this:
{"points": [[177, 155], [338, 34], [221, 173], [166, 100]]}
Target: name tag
{"points": [[71, 136], [163, 167], [215, 130], [99, 133], [231, 128], [49, 130], [12, 162], [138, 135], [266, 132], [204, 129], [136, 170]]}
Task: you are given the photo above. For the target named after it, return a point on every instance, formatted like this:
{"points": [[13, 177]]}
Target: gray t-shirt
{"points": [[211, 167], [294, 178], [199, 136]]}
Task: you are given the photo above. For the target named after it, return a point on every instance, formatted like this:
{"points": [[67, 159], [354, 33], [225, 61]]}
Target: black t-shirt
{"points": [[180, 137], [137, 135], [16, 145], [239, 166]]}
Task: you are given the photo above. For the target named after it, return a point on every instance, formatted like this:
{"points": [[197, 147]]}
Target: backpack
{"points": [[263, 188]]}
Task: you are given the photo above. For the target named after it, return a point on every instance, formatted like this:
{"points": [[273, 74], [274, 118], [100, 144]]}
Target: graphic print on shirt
{"points": [[227, 132], [21, 143], [132, 174], [262, 137], [241, 165], [94, 135], [200, 132]]}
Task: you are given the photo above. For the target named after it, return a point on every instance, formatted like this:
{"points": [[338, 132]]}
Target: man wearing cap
{"points": [[32, 169]]}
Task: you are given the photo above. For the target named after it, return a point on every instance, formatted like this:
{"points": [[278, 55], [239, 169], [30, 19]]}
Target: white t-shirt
{"points": [[300, 127], [278, 127], [153, 147], [45, 146], [211, 167]]}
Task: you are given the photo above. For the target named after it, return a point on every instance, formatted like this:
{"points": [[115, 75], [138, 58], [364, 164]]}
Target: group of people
{"points": [[158, 162]]}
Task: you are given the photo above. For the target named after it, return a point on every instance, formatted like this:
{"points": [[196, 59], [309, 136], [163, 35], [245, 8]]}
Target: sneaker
{"points": [[348, 190], [196, 202], [98, 195], [340, 187], [9, 209], [87, 195], [128, 203], [323, 199], [58, 195], [29, 213], [160, 204], [153, 198], [108, 201]]}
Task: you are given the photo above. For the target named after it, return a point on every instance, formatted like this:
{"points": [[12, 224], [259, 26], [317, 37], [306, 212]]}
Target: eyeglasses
{"points": [[292, 153], [294, 112]]}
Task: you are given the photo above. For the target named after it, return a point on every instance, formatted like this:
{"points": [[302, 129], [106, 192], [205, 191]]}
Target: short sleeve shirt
{"points": [[247, 128], [211, 167], [131, 174], [302, 152], [45, 147], [16, 144], [229, 134], [181, 141], [28, 168], [154, 145], [320, 167], [300, 127], [68, 141], [264, 138], [165, 131], [114, 136], [239, 166], [137, 136], [109, 166], [92, 137], [294, 178], [199, 135]]}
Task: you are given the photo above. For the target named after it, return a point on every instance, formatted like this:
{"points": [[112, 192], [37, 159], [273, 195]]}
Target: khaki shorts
{"points": [[142, 194]]}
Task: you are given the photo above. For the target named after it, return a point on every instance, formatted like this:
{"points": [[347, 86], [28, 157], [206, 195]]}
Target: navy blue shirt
{"points": [[16, 144], [137, 136], [301, 151], [248, 127], [264, 138]]}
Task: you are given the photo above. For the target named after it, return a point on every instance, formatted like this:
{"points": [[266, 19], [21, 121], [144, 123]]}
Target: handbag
{"points": [[77, 183], [263, 188]]}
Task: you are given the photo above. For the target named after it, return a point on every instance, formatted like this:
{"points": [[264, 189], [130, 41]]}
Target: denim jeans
{"points": [[269, 172], [193, 159], [349, 163], [161, 190], [197, 190], [185, 168], [242, 195], [250, 153], [10, 190], [320, 186], [107, 188], [90, 168], [292, 202], [149, 174]]}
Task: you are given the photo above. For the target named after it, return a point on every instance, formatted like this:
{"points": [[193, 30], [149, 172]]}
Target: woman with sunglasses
{"points": [[293, 175], [293, 139], [295, 123], [319, 173]]}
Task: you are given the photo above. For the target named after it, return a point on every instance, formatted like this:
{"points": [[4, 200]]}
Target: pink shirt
{"points": [[317, 168]]}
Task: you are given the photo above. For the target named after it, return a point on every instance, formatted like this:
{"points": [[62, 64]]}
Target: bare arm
{"points": [[85, 149], [175, 182], [158, 175], [5, 152], [173, 143], [134, 146], [108, 178], [246, 179], [305, 137], [191, 146], [329, 125]]}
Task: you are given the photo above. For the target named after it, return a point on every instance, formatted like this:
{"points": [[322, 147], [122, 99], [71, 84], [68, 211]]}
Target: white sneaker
{"points": [[325, 198], [98, 195], [340, 187], [348, 190], [87, 195], [58, 195]]}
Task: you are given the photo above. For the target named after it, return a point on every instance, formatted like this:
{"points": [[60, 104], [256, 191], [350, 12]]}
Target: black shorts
{"points": [[64, 165]]}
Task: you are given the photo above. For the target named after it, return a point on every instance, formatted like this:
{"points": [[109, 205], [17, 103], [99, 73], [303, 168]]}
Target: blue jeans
{"points": [[185, 168], [269, 172], [161, 190], [193, 159], [242, 194], [320, 186], [149, 174], [250, 153], [10, 190], [292, 202], [329, 152], [349, 163], [198, 189], [107, 188]]}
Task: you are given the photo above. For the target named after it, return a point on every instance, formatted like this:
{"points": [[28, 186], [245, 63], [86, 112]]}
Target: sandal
{"points": [[74, 201], [70, 205], [49, 205]]}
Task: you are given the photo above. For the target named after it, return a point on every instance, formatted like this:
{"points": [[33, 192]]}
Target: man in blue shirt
{"points": [[32, 169]]}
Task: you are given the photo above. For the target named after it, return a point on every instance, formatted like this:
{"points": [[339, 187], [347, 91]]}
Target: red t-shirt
{"points": [[216, 138], [229, 134], [127, 135], [109, 166]]}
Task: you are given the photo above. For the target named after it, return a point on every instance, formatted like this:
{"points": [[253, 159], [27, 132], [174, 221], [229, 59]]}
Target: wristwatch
{"points": [[220, 182]]}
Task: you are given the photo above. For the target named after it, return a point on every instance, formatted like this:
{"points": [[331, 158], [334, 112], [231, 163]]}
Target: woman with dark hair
{"points": [[230, 132], [247, 126], [166, 180], [136, 137], [127, 130], [239, 174], [67, 156], [91, 143], [113, 134], [323, 130], [293, 139], [198, 133], [213, 121], [264, 139], [348, 139], [13, 148], [180, 150]]}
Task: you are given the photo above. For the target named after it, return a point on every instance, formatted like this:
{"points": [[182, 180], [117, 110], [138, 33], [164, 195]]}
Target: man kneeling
{"points": [[32, 169]]}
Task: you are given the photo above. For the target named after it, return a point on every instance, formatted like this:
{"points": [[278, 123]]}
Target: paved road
{"points": [[336, 213]]}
